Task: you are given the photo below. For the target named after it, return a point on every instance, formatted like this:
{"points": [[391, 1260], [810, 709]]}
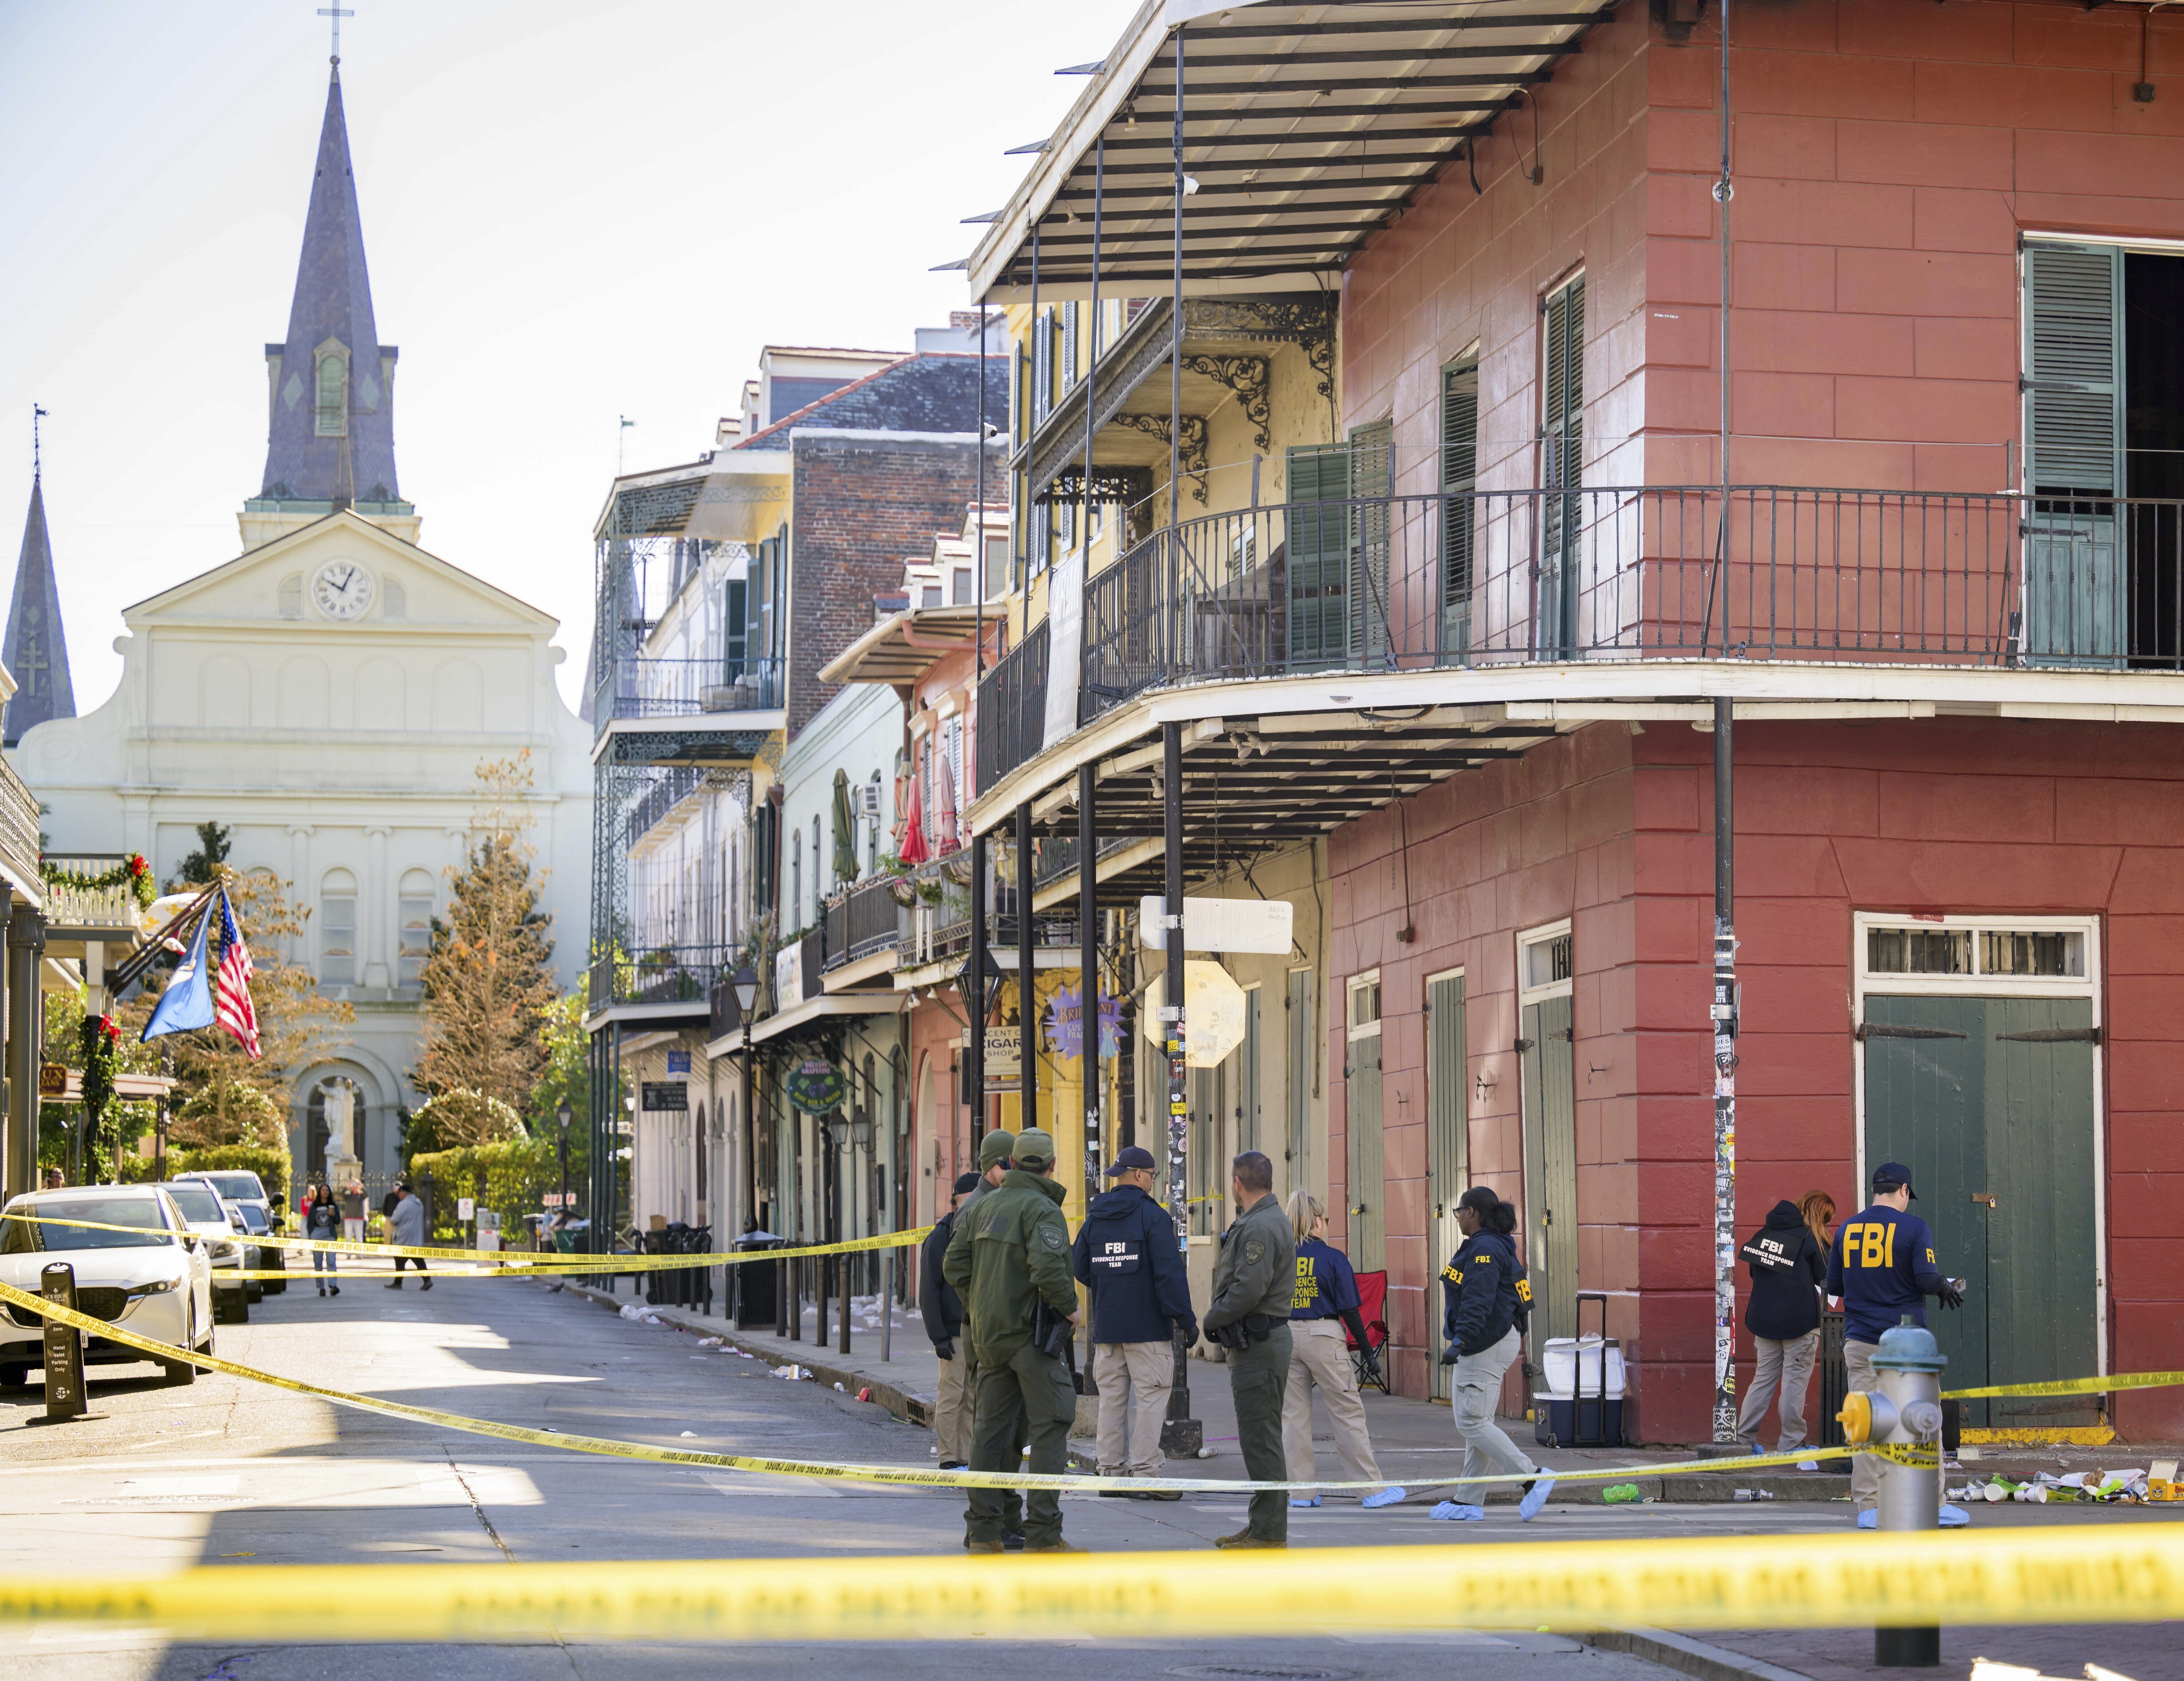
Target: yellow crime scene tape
{"points": [[2076, 1574], [2074, 1386], [507, 1261], [915, 1476]]}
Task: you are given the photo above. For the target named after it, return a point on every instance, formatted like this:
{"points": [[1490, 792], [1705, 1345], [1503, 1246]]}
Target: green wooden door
{"points": [[1989, 1102], [2075, 463], [1562, 438], [1372, 480], [1317, 540], [1298, 1117], [1247, 1076], [1367, 1187], [1448, 1155], [1551, 1168]]}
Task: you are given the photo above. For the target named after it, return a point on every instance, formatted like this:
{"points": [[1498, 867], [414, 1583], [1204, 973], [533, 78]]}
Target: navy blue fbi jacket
{"points": [[1326, 1284], [1486, 1291], [1883, 1268], [1787, 1267], [1126, 1251]]}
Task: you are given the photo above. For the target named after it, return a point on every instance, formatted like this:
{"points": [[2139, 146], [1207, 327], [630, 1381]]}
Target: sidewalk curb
{"points": [[1687, 1657], [914, 1408]]}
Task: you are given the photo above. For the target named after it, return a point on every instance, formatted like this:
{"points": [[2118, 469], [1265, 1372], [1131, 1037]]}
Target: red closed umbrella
{"points": [[913, 849]]}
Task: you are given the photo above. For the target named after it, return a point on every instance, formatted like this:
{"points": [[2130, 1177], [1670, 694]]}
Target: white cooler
{"points": [[1582, 1405]]}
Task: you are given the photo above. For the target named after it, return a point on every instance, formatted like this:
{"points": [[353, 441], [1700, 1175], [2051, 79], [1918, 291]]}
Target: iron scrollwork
{"points": [[1190, 447], [1245, 376]]}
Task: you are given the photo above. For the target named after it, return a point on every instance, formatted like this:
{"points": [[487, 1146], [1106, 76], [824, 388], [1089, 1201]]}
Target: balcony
{"points": [[662, 980], [866, 922], [637, 687], [1499, 580], [91, 912], [1012, 707]]}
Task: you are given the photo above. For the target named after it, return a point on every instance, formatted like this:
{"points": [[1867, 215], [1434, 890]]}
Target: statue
{"points": [[345, 1171]]}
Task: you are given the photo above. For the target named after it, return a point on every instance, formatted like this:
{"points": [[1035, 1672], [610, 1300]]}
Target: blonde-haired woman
{"points": [[1326, 1300]]}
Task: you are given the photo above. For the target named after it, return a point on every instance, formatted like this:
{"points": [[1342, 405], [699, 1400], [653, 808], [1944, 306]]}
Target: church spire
{"points": [[36, 652], [331, 437]]}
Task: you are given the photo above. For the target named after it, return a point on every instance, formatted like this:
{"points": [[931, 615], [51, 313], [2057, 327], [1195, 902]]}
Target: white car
{"points": [[155, 1280], [236, 1185], [225, 1245]]}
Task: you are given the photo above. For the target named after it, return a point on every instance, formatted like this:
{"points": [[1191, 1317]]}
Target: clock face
{"points": [[343, 589]]}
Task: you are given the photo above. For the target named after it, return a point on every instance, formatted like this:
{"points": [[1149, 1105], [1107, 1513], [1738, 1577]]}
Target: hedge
{"points": [[269, 1162], [510, 1177]]}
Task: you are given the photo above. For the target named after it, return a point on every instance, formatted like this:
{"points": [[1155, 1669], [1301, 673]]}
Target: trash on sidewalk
{"points": [[643, 1315], [1622, 1494], [2092, 1488]]}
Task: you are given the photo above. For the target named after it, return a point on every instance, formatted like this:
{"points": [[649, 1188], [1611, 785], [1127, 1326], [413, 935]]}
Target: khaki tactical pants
{"points": [[1864, 1468], [1319, 1358], [1029, 1398], [1257, 1376], [951, 1408], [1134, 1379], [1475, 1387], [1788, 1367]]}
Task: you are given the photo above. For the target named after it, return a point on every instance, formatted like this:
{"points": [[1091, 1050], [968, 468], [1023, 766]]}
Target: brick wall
{"points": [[861, 507]]}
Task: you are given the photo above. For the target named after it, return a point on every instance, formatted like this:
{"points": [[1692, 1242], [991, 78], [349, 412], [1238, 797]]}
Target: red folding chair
{"points": [[1372, 1308]]}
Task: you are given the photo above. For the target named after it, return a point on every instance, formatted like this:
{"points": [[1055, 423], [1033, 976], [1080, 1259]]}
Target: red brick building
{"points": [[1473, 632]]}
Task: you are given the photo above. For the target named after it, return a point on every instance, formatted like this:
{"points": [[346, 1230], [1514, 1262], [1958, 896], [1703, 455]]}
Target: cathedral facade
{"points": [[328, 695]]}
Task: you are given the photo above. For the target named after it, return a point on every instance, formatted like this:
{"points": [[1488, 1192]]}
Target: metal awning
{"points": [[826, 1004], [901, 647], [1306, 128]]}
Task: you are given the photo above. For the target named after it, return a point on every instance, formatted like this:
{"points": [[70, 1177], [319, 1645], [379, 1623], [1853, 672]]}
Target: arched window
{"points": [[414, 930], [337, 929], [333, 395]]}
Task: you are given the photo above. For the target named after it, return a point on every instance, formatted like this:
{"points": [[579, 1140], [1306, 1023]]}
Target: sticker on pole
{"points": [[1213, 1006], [1260, 925]]}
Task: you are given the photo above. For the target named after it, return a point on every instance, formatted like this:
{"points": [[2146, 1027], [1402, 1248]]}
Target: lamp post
{"points": [[744, 983], [564, 1115]]}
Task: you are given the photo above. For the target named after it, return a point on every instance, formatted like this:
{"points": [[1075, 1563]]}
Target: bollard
{"points": [[1906, 1412], [64, 1396]]}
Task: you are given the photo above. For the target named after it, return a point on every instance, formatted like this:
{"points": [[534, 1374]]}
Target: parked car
{"points": [[237, 1185], [201, 1212], [266, 1257], [155, 1279]]}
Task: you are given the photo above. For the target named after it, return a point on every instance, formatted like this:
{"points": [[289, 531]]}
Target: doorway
{"points": [[1979, 1046], [1547, 1048], [1367, 1185], [1448, 1154]]}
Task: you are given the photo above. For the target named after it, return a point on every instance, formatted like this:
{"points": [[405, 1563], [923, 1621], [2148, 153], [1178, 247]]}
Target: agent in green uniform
{"points": [[1008, 1261], [1254, 1279]]}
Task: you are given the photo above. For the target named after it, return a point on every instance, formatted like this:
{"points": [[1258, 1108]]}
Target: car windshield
{"points": [[197, 1203], [236, 1186], [254, 1217], [21, 1236]]}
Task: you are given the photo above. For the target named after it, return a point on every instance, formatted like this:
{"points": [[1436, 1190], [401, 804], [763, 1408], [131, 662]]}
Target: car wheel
{"points": [[242, 1307], [14, 1376], [254, 1291]]}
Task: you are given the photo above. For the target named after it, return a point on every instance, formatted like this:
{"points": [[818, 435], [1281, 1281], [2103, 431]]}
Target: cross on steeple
{"points": [[32, 661], [336, 13], [37, 456]]}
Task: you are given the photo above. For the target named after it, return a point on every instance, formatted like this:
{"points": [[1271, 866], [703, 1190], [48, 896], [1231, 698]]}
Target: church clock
{"points": [[341, 589]]}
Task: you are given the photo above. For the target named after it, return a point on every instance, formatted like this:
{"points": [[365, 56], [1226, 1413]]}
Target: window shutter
{"points": [[2074, 449], [1069, 312], [1318, 551], [1042, 367], [1459, 479], [1372, 473], [1561, 434], [2074, 316]]}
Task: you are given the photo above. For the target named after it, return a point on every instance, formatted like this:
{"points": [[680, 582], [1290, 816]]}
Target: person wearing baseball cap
{"points": [[943, 1310], [1883, 1270], [1126, 1255]]}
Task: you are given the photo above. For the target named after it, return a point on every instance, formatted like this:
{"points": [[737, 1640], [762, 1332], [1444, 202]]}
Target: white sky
{"points": [[573, 209]]}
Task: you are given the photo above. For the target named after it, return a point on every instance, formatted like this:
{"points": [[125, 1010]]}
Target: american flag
{"points": [[230, 992]]}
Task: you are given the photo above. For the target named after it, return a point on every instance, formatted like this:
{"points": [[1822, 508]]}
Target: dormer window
{"points": [[333, 395]]}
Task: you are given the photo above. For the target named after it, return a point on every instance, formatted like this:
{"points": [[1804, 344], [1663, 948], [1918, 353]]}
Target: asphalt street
{"points": [[229, 1473]]}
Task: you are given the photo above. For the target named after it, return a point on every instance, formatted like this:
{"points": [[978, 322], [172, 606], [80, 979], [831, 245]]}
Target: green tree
{"points": [[203, 866], [487, 973]]}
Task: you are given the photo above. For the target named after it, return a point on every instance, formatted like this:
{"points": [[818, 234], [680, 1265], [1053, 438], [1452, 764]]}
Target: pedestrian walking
{"points": [[1009, 1260], [1883, 1270], [943, 1310], [1324, 1301], [1253, 1280], [1126, 1255], [322, 1219], [405, 1229], [1788, 1267], [1487, 1301]]}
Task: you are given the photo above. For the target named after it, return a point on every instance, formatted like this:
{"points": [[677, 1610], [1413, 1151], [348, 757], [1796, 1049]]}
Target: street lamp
{"points": [[745, 982], [564, 1115]]}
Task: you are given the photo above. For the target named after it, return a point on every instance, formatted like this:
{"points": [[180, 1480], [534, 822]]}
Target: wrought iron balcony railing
{"points": [[1398, 583], [636, 687], [866, 921], [1013, 708], [664, 974]]}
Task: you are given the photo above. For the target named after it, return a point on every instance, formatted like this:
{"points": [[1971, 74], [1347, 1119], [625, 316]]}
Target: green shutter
{"points": [[1562, 434], [1459, 478], [1371, 477], [1318, 553], [2073, 456], [1069, 312]]}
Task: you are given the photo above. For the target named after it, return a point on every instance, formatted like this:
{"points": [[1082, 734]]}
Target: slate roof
{"points": [[333, 301], [36, 651], [931, 392]]}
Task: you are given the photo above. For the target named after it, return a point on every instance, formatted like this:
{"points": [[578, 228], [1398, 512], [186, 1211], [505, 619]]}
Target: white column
{"points": [[377, 910], [301, 894]]}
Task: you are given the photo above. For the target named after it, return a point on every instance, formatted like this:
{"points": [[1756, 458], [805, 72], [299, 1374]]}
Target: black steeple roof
{"points": [[345, 454]]}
